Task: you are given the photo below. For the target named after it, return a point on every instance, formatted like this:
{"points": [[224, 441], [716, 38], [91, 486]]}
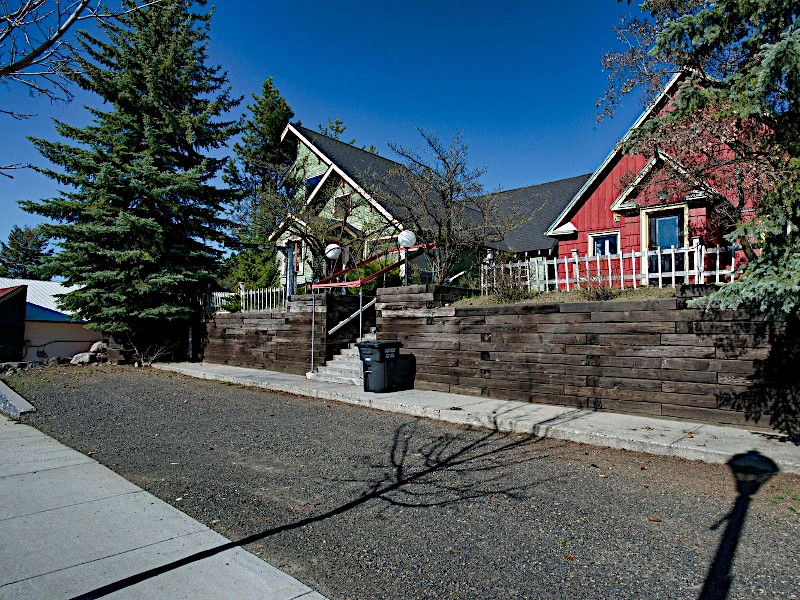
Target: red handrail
{"points": [[420, 249]]}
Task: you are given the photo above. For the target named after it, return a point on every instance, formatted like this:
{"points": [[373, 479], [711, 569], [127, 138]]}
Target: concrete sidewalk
{"points": [[694, 441], [70, 528]]}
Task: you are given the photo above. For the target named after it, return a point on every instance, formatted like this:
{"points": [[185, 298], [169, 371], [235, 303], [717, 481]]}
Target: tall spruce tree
{"points": [[140, 205], [25, 254], [255, 172]]}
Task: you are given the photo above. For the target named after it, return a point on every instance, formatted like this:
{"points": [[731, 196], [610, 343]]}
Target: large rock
{"points": [[82, 358], [98, 347]]}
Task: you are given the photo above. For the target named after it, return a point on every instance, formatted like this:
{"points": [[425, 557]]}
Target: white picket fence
{"points": [[259, 300], [670, 267]]}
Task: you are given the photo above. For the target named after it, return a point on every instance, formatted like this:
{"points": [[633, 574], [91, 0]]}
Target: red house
{"points": [[636, 203]]}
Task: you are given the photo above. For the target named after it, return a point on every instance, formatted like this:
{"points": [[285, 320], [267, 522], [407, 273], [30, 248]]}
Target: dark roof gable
{"points": [[543, 202], [367, 169]]}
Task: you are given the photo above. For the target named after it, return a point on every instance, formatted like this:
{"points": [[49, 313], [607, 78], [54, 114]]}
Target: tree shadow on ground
{"points": [[411, 477], [751, 470]]}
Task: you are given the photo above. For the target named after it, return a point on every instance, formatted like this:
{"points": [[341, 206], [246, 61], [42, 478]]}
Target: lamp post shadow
{"points": [[751, 470]]}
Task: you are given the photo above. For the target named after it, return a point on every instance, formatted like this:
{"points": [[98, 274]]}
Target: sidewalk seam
{"points": [[88, 562], [83, 462], [46, 510]]}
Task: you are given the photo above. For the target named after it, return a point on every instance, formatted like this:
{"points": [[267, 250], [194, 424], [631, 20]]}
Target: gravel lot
{"points": [[396, 507]]}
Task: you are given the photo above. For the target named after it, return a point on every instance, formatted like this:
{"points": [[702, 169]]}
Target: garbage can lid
{"points": [[379, 344]]}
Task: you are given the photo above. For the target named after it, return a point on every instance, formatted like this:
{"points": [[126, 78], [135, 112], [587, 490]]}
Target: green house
{"points": [[331, 204], [340, 196]]}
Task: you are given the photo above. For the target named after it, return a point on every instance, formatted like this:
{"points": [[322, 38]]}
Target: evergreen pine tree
{"points": [[25, 254], [255, 171], [141, 206]]}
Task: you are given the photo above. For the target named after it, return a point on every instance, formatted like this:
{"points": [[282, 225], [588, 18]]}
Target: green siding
{"points": [[362, 216]]}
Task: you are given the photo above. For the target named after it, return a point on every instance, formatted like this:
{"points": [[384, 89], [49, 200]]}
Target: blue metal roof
{"points": [[34, 312]]}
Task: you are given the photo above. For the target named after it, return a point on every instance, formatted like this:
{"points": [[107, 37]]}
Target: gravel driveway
{"points": [[362, 504]]}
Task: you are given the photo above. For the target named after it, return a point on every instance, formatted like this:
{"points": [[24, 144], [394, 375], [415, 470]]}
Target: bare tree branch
{"points": [[34, 47], [437, 194], [39, 54], [4, 168]]}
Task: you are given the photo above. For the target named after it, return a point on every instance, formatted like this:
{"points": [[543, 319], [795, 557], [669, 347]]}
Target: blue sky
{"points": [[520, 79]]}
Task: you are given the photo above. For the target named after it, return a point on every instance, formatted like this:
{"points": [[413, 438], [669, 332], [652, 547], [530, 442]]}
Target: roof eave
{"points": [[616, 151], [352, 182]]}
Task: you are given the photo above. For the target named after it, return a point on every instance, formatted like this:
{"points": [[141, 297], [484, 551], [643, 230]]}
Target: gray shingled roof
{"points": [[545, 201], [366, 168]]}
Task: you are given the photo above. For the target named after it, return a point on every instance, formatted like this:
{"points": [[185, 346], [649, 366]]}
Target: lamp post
{"points": [[406, 240], [333, 252]]}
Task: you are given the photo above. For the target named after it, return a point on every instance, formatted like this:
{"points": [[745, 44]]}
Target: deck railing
{"points": [[661, 267], [258, 300]]}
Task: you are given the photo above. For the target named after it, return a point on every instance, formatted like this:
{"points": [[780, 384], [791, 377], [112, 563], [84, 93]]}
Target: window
{"points": [[665, 232], [312, 182], [342, 205], [601, 244]]}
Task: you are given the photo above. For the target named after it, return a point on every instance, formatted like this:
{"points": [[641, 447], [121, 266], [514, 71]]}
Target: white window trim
{"points": [[595, 234]]}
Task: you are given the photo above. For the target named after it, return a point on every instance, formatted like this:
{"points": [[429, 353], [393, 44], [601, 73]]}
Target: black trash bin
{"points": [[405, 371], [378, 358]]}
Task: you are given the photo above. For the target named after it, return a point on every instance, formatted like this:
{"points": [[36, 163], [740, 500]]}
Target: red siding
{"points": [[594, 214]]}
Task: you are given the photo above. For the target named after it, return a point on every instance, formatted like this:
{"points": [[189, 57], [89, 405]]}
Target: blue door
{"points": [[666, 231]]}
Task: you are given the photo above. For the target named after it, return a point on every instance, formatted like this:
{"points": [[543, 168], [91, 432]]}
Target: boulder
{"points": [[98, 347], [57, 360], [82, 358]]}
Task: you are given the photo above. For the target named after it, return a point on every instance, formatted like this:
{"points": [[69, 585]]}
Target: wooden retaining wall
{"points": [[282, 341], [652, 357]]}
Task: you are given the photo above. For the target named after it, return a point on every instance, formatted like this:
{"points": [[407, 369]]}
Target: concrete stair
{"points": [[344, 367]]}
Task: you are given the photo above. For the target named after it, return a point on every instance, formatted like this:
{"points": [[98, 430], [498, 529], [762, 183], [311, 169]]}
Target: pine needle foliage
{"points": [[24, 255], [742, 60], [256, 172], [139, 205]]}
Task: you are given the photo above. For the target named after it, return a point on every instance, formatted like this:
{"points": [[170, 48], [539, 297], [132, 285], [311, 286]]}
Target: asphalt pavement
{"points": [[363, 504]]}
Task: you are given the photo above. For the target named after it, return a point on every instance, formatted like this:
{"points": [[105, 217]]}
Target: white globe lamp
{"points": [[406, 239], [333, 251]]}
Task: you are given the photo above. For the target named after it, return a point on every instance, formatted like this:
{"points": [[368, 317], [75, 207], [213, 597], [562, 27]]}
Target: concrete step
{"points": [[334, 379], [339, 371], [345, 363]]}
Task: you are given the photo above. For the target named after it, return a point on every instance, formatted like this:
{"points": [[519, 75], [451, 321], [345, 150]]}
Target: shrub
{"points": [[598, 292]]}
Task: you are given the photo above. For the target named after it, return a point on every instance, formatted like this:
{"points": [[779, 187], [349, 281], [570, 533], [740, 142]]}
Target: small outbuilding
{"points": [[48, 330], [12, 322]]}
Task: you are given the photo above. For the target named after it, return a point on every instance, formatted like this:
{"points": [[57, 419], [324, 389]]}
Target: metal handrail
{"points": [[353, 316]]}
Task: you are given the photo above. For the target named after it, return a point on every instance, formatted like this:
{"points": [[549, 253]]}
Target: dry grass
{"points": [[574, 296]]}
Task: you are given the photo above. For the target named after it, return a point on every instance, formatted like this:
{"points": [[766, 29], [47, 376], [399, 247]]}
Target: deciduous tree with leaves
{"points": [[139, 206]]}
